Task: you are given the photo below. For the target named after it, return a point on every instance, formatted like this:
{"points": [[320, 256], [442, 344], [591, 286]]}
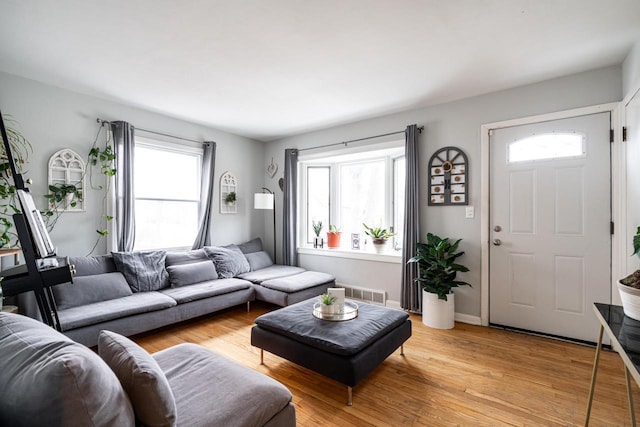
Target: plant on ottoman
{"points": [[438, 270]]}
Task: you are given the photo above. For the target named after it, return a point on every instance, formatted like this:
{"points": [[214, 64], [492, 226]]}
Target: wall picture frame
{"points": [[355, 241]]}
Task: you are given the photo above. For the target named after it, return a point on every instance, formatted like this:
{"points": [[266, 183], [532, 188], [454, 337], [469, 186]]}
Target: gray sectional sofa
{"points": [[48, 379], [134, 292]]}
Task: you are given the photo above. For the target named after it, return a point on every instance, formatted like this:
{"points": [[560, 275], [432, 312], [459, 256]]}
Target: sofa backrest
{"points": [[48, 379], [90, 265]]}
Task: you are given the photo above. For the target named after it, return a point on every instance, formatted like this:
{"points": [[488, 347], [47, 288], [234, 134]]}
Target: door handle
{"points": [[497, 242]]}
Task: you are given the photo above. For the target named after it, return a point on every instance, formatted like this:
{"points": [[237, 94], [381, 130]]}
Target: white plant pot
{"points": [[437, 313], [630, 301], [326, 309], [379, 245]]}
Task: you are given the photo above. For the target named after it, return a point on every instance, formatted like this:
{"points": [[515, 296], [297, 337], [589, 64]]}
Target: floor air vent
{"points": [[368, 295]]}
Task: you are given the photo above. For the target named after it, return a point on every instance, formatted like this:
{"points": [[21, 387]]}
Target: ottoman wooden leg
{"points": [[401, 349], [261, 356], [349, 396]]}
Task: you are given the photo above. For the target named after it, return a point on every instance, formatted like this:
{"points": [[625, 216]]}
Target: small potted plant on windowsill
{"points": [[333, 237], [436, 260], [378, 236], [317, 228], [629, 287], [230, 199]]}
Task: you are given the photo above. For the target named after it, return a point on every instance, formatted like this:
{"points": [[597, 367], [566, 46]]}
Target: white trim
{"points": [[467, 318], [617, 155], [393, 304], [345, 253]]}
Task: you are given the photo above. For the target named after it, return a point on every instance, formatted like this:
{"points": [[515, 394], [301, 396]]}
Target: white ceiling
{"points": [[268, 69]]}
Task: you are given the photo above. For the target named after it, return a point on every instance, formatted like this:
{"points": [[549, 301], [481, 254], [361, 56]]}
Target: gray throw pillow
{"points": [[185, 257], [229, 260], [49, 380], [254, 245], [89, 289], [258, 260], [190, 273], [142, 379], [144, 271]]}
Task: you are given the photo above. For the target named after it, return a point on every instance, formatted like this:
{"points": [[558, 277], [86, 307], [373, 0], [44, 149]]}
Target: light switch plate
{"points": [[470, 212]]}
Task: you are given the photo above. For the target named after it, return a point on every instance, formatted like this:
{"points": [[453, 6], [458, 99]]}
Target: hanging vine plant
{"points": [[20, 148]]}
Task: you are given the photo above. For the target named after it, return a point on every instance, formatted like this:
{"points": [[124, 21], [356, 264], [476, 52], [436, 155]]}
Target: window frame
{"points": [[186, 148], [333, 162]]}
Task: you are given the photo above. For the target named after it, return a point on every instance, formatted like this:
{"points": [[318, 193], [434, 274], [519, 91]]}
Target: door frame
{"points": [[618, 190]]}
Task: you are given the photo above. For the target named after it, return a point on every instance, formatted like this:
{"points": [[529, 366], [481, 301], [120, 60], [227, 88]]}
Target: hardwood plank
{"points": [[467, 376]]}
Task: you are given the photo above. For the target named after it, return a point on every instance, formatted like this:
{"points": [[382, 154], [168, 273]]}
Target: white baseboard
{"points": [[393, 304], [467, 318]]}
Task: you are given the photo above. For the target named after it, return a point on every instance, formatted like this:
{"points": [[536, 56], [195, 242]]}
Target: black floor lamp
{"points": [[267, 200]]}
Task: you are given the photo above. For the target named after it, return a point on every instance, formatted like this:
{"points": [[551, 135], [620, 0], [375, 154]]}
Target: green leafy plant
{"points": [[317, 227], [327, 299], [59, 197], [103, 157], [436, 261], [333, 229], [230, 198], [377, 233], [20, 148], [633, 280]]}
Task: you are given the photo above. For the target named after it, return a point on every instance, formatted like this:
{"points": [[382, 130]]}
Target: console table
{"points": [[625, 337]]}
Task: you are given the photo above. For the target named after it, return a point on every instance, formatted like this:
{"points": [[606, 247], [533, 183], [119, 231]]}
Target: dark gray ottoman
{"points": [[344, 351]]}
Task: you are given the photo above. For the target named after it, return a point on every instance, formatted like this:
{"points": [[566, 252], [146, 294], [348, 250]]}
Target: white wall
{"points": [[458, 124], [631, 70], [52, 118]]}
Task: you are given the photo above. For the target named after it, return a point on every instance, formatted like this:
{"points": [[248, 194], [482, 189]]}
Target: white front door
{"points": [[550, 217]]}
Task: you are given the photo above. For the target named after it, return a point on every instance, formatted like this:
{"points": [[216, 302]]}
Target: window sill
{"points": [[390, 257]]}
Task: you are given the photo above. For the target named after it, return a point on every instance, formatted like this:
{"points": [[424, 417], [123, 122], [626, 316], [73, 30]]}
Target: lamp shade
{"points": [[263, 201]]}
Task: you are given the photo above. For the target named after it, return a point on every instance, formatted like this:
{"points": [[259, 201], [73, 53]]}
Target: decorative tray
{"points": [[350, 311]]}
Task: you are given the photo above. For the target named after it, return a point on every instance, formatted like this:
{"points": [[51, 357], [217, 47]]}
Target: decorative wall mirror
{"points": [[228, 193], [67, 167], [448, 169]]}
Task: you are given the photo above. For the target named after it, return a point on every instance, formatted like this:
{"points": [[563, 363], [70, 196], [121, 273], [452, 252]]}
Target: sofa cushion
{"points": [[212, 390], [229, 260], [144, 270], [95, 264], [90, 289], [298, 282], [48, 379], [258, 260], [142, 379], [205, 289], [188, 274], [185, 257], [271, 272], [254, 245], [90, 314]]}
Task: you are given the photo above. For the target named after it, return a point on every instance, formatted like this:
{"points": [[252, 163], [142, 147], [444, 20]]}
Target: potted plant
{"points": [[378, 236], [230, 198], [326, 303], [333, 237], [436, 261], [317, 228], [629, 287]]}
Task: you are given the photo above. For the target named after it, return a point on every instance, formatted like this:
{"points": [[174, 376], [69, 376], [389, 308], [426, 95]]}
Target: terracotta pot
{"points": [[333, 239]]}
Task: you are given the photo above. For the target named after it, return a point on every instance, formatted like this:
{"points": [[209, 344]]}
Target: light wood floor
{"points": [[468, 376]]}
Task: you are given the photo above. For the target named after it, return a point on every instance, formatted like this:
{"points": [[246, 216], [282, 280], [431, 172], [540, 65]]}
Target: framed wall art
{"points": [[448, 173]]}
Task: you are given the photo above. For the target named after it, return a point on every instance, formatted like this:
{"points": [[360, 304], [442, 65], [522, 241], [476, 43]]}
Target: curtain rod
{"points": [[102, 122], [420, 128]]}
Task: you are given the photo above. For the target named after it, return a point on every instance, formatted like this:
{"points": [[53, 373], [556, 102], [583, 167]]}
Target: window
{"points": [[348, 190], [545, 147], [167, 194]]}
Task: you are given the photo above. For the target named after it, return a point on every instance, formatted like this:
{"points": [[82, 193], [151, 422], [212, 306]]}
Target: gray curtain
{"points": [[289, 214], [124, 141], [411, 293], [206, 196]]}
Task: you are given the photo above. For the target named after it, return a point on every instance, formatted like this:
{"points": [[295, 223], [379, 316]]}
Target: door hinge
{"points": [[610, 135], [624, 134], [611, 227]]}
